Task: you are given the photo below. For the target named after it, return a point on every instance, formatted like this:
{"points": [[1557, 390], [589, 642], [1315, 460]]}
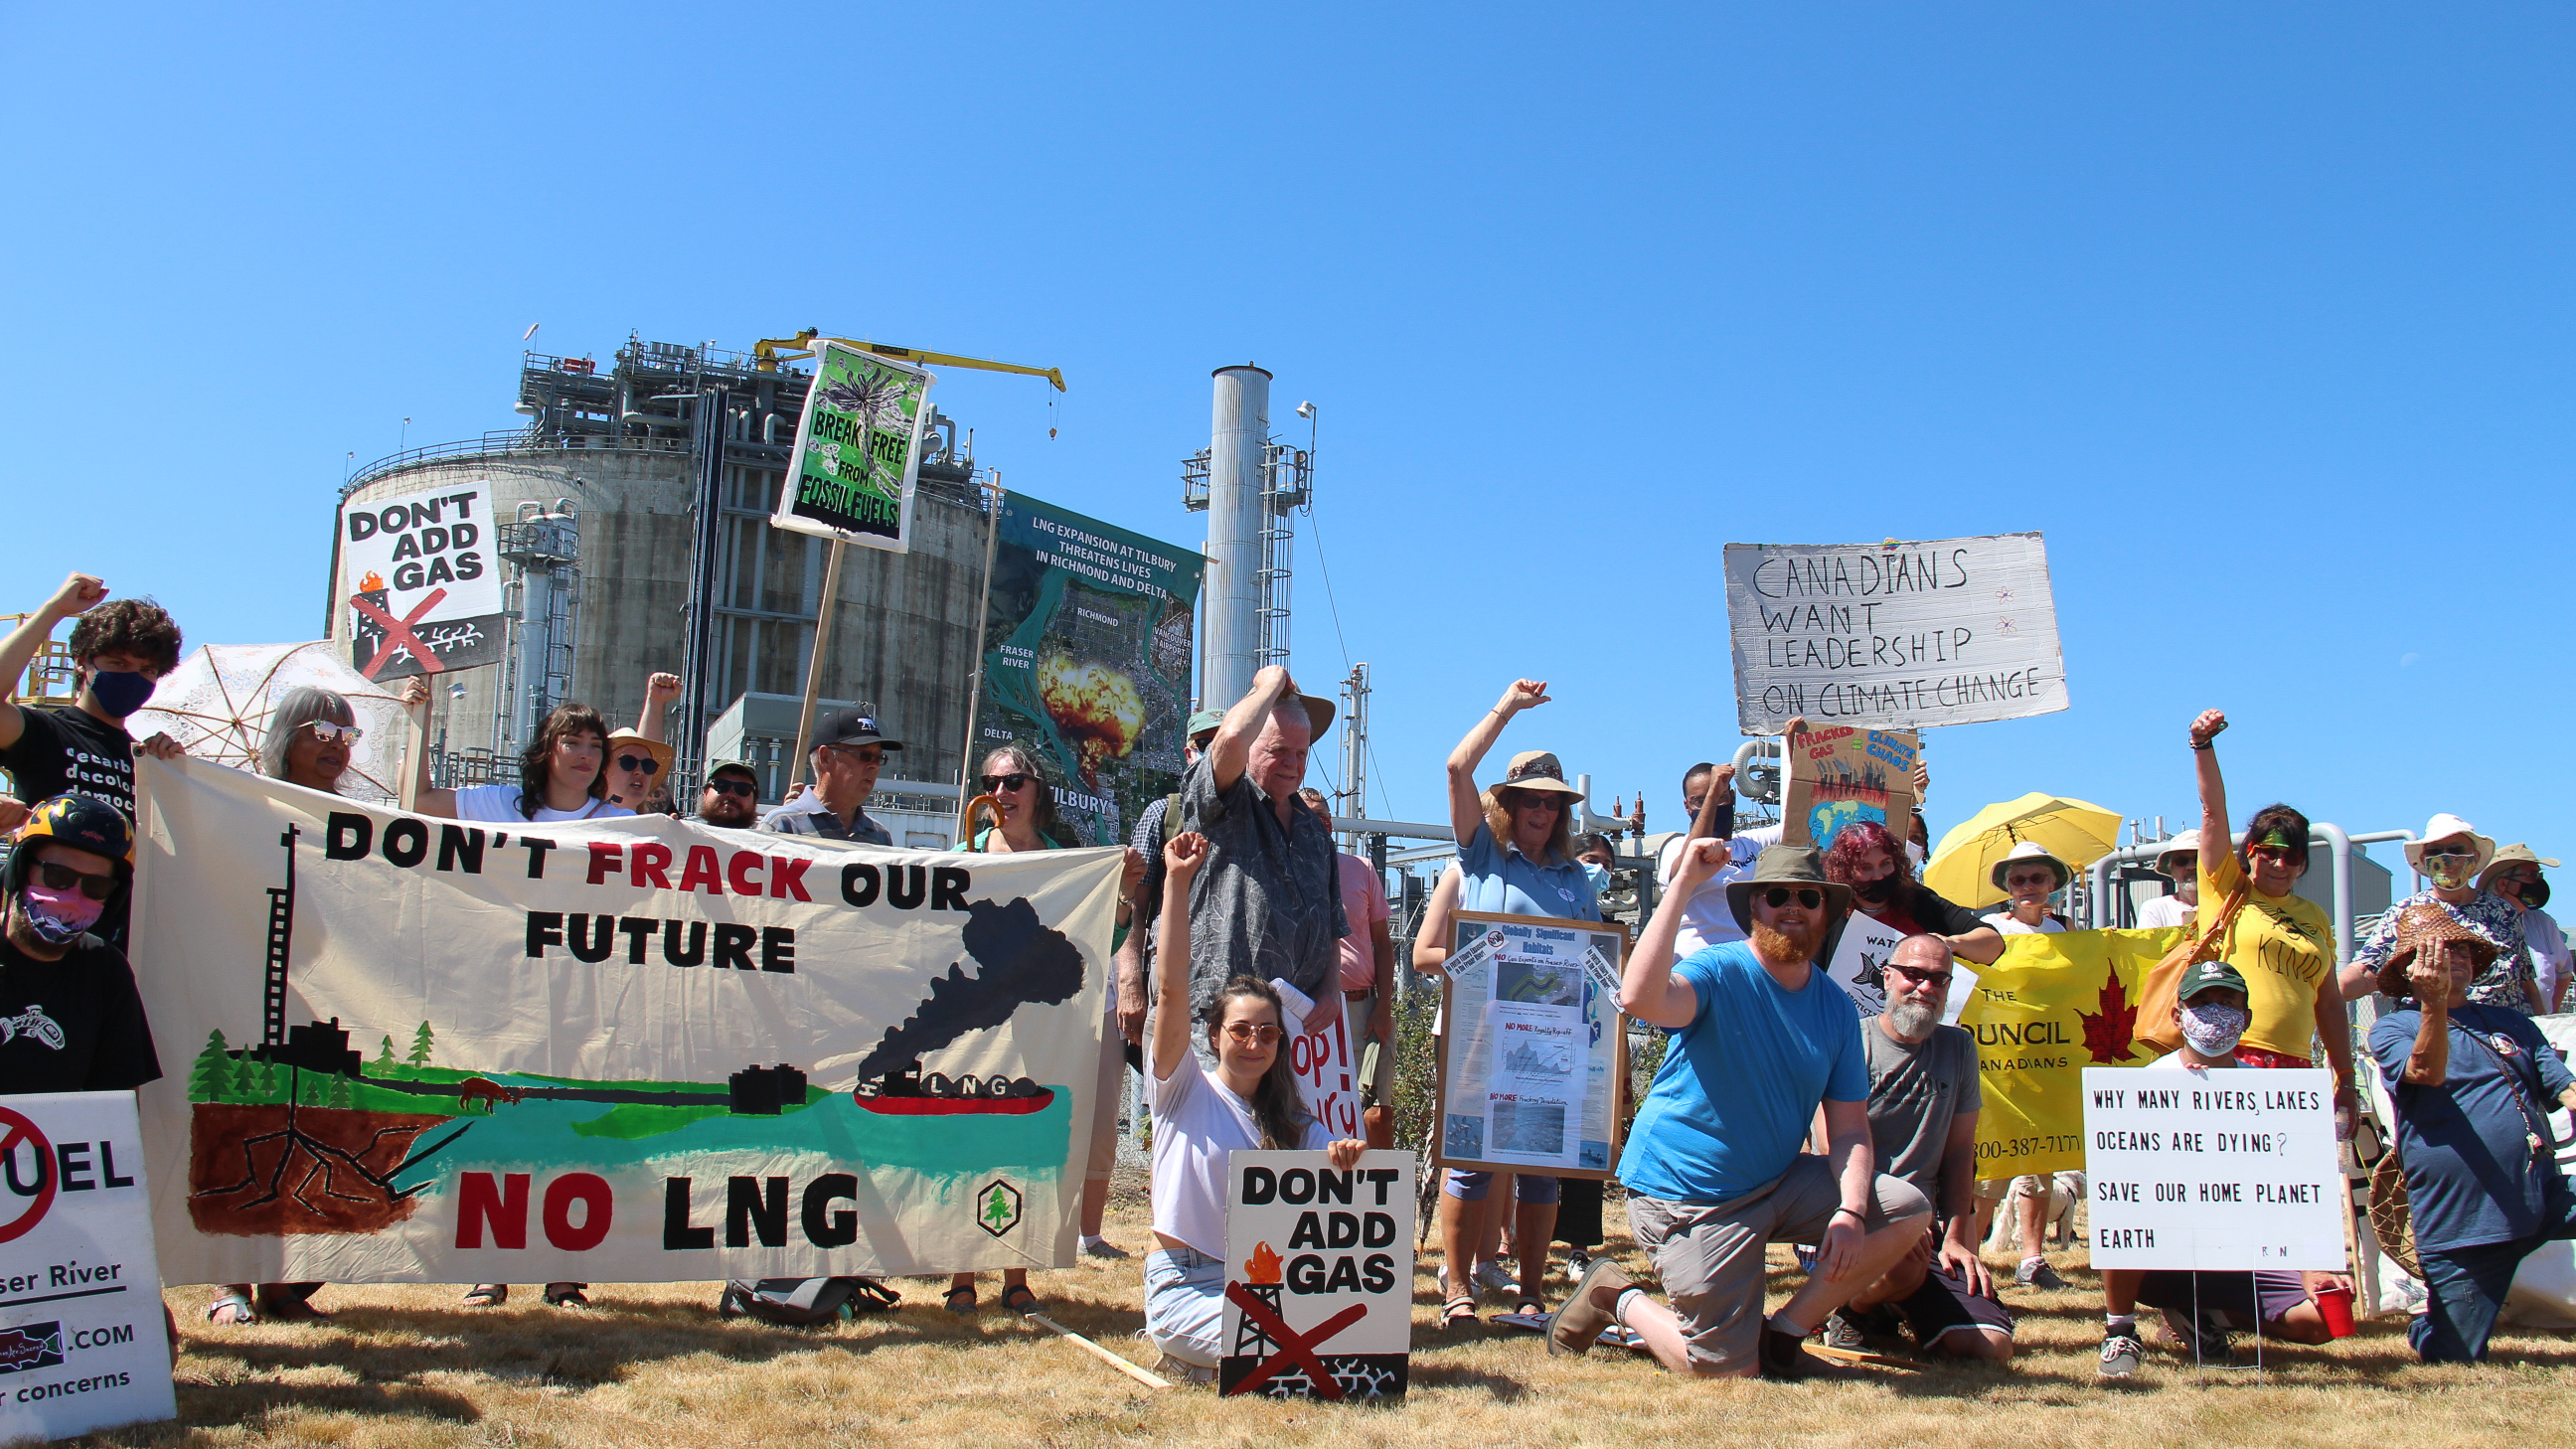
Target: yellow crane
{"points": [[768, 352]]}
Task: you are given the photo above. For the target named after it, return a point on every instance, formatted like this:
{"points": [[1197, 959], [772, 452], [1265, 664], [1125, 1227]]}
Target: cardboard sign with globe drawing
{"points": [[1087, 638], [1840, 776]]}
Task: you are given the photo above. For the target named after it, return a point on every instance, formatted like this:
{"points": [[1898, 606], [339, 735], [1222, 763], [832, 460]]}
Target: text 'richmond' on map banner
{"points": [[1894, 635], [1087, 661]]}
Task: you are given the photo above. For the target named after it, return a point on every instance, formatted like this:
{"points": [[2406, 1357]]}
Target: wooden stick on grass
{"points": [[1113, 1360]]}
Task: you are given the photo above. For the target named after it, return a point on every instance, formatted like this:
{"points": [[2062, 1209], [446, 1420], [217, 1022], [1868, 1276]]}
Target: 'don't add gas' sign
{"points": [[420, 583], [1318, 1276], [82, 1346]]}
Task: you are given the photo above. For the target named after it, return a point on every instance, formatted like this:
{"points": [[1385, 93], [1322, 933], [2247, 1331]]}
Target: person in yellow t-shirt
{"points": [[2282, 944]]}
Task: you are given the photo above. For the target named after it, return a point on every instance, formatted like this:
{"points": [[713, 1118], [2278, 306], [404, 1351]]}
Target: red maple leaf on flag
{"points": [[2107, 1035]]}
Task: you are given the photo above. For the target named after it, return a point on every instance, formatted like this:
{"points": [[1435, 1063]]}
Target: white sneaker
{"points": [[2121, 1353], [1492, 1277]]}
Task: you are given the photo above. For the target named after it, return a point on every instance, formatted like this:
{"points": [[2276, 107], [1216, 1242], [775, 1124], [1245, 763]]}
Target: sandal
{"points": [[242, 1311], [1025, 1304], [1530, 1308], [290, 1302], [567, 1295], [1459, 1311], [961, 1300], [488, 1295]]}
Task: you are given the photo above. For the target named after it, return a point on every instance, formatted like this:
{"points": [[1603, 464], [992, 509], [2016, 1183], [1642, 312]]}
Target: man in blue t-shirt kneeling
{"points": [[1713, 1170]]}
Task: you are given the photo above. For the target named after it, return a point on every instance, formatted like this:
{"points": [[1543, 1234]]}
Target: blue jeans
{"points": [[2464, 1288], [1185, 1304]]}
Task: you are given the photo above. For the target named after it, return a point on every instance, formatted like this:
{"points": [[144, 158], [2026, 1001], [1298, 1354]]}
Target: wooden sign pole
{"points": [[797, 763]]}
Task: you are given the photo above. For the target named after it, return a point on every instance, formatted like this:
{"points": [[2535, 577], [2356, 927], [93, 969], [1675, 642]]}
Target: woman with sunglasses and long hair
{"points": [[1517, 857], [562, 776], [1024, 798], [311, 733], [1201, 1118]]}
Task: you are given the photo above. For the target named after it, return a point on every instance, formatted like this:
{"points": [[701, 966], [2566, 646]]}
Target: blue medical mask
{"points": [[1599, 877], [120, 691]]}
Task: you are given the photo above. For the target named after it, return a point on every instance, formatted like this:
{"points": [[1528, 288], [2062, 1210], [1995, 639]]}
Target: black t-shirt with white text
{"points": [[64, 751], [73, 1025]]}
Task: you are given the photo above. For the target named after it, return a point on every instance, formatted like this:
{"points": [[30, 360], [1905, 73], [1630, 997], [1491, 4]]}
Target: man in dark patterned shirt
{"points": [[2451, 855], [1268, 902]]}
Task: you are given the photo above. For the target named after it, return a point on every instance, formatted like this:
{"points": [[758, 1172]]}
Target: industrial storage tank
{"points": [[596, 505]]}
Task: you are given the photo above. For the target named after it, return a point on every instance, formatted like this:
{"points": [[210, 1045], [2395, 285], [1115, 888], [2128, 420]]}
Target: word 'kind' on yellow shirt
{"points": [[2282, 945]]}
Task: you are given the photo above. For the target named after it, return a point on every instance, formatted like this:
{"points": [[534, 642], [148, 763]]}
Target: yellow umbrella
{"points": [[2075, 831]]}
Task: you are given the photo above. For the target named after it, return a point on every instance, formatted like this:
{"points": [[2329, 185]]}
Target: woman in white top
{"points": [[2178, 862], [562, 774], [1200, 1118], [561, 777], [2029, 876]]}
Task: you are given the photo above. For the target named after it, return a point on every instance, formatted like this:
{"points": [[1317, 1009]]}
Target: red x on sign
{"points": [[398, 634], [1293, 1346]]}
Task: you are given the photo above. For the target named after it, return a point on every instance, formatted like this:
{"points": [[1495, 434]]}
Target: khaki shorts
{"points": [[1107, 1087], [1709, 1255]]}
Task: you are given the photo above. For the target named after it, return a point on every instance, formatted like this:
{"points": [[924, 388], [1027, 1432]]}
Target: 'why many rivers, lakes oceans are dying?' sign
{"points": [[1894, 635]]}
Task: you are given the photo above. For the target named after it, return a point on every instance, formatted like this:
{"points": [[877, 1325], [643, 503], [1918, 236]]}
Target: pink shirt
{"points": [[1364, 902]]}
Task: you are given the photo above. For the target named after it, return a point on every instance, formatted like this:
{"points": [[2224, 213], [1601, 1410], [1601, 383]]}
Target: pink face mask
{"points": [[58, 916]]}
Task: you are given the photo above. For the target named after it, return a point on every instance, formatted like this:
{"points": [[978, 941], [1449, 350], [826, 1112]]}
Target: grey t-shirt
{"points": [[1914, 1092], [1268, 902]]}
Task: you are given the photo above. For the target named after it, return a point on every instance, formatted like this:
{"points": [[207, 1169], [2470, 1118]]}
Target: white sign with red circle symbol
{"points": [[82, 1346]]}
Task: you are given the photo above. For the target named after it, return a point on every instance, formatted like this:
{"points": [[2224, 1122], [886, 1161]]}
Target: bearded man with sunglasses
{"points": [[731, 799], [1761, 1040]]}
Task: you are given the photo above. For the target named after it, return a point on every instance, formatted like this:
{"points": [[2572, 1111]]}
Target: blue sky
{"points": [[2261, 315]]}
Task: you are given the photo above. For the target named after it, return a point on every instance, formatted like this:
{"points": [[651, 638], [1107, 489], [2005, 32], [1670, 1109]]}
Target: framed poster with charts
{"points": [[1533, 1046]]}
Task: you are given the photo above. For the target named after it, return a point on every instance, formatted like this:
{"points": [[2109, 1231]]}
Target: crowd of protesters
{"points": [[1793, 1105]]}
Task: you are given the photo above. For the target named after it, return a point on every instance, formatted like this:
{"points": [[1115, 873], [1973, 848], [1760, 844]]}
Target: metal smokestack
{"points": [[1232, 648]]}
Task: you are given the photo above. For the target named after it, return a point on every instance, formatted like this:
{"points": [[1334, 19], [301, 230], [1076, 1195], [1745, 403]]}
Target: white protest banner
{"points": [[641, 1050], [81, 1339], [1321, 1053], [1531, 1052], [857, 457], [2213, 1170], [420, 582], [1860, 961], [1894, 635], [1318, 1276]]}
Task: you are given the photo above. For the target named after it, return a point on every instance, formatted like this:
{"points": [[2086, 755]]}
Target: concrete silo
{"points": [[598, 505]]}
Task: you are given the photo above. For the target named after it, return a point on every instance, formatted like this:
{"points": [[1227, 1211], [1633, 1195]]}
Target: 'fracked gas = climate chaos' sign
{"points": [[1894, 635]]}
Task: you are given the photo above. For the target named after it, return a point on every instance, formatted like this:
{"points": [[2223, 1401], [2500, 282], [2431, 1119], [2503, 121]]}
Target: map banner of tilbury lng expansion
{"points": [[402, 1049], [1895, 635]]}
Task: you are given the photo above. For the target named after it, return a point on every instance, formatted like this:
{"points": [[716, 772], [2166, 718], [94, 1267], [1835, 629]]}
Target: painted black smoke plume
{"points": [[1023, 962]]}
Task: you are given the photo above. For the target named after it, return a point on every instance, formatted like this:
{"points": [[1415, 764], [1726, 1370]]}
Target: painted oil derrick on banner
{"points": [[858, 450], [1087, 637], [1894, 635], [420, 589], [441, 1051], [1318, 1276], [1840, 776]]}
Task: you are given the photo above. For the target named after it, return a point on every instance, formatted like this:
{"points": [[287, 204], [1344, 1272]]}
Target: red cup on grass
{"points": [[2335, 1306]]}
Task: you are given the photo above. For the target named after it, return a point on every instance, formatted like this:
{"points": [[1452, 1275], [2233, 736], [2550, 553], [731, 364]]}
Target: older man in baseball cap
{"points": [[849, 752], [1715, 1174]]}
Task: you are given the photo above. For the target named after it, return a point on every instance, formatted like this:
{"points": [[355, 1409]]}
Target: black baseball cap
{"points": [[851, 727], [718, 767]]}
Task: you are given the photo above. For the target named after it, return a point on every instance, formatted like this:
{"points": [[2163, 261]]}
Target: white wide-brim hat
{"points": [[2445, 827]]}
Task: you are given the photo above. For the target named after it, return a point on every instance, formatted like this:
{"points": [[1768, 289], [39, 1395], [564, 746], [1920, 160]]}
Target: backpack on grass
{"points": [[802, 1302]]}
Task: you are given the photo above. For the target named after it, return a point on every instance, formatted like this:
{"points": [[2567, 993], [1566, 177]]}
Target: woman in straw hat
{"points": [[2473, 1085], [2452, 857], [1515, 856]]}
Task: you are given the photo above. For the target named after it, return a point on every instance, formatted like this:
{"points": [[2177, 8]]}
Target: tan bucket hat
{"points": [[2514, 854], [1536, 770]]}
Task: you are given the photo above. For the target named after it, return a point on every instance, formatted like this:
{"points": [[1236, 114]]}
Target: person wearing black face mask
{"points": [[2514, 874], [120, 650]]}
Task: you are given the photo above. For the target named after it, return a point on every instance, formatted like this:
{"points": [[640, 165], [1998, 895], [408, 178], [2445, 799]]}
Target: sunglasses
{"points": [[2042, 878], [2450, 855], [326, 731], [996, 784], [644, 764], [744, 788], [1921, 978], [1265, 1034], [62, 878], [1807, 897]]}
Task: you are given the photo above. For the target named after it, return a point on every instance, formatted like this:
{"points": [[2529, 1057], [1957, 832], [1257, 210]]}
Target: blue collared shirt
{"points": [[1499, 878]]}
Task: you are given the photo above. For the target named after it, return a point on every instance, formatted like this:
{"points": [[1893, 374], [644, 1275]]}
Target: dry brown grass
{"points": [[406, 1368]]}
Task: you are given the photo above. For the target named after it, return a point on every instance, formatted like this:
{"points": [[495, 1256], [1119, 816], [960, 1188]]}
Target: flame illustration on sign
{"points": [[1264, 1267], [371, 583]]}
